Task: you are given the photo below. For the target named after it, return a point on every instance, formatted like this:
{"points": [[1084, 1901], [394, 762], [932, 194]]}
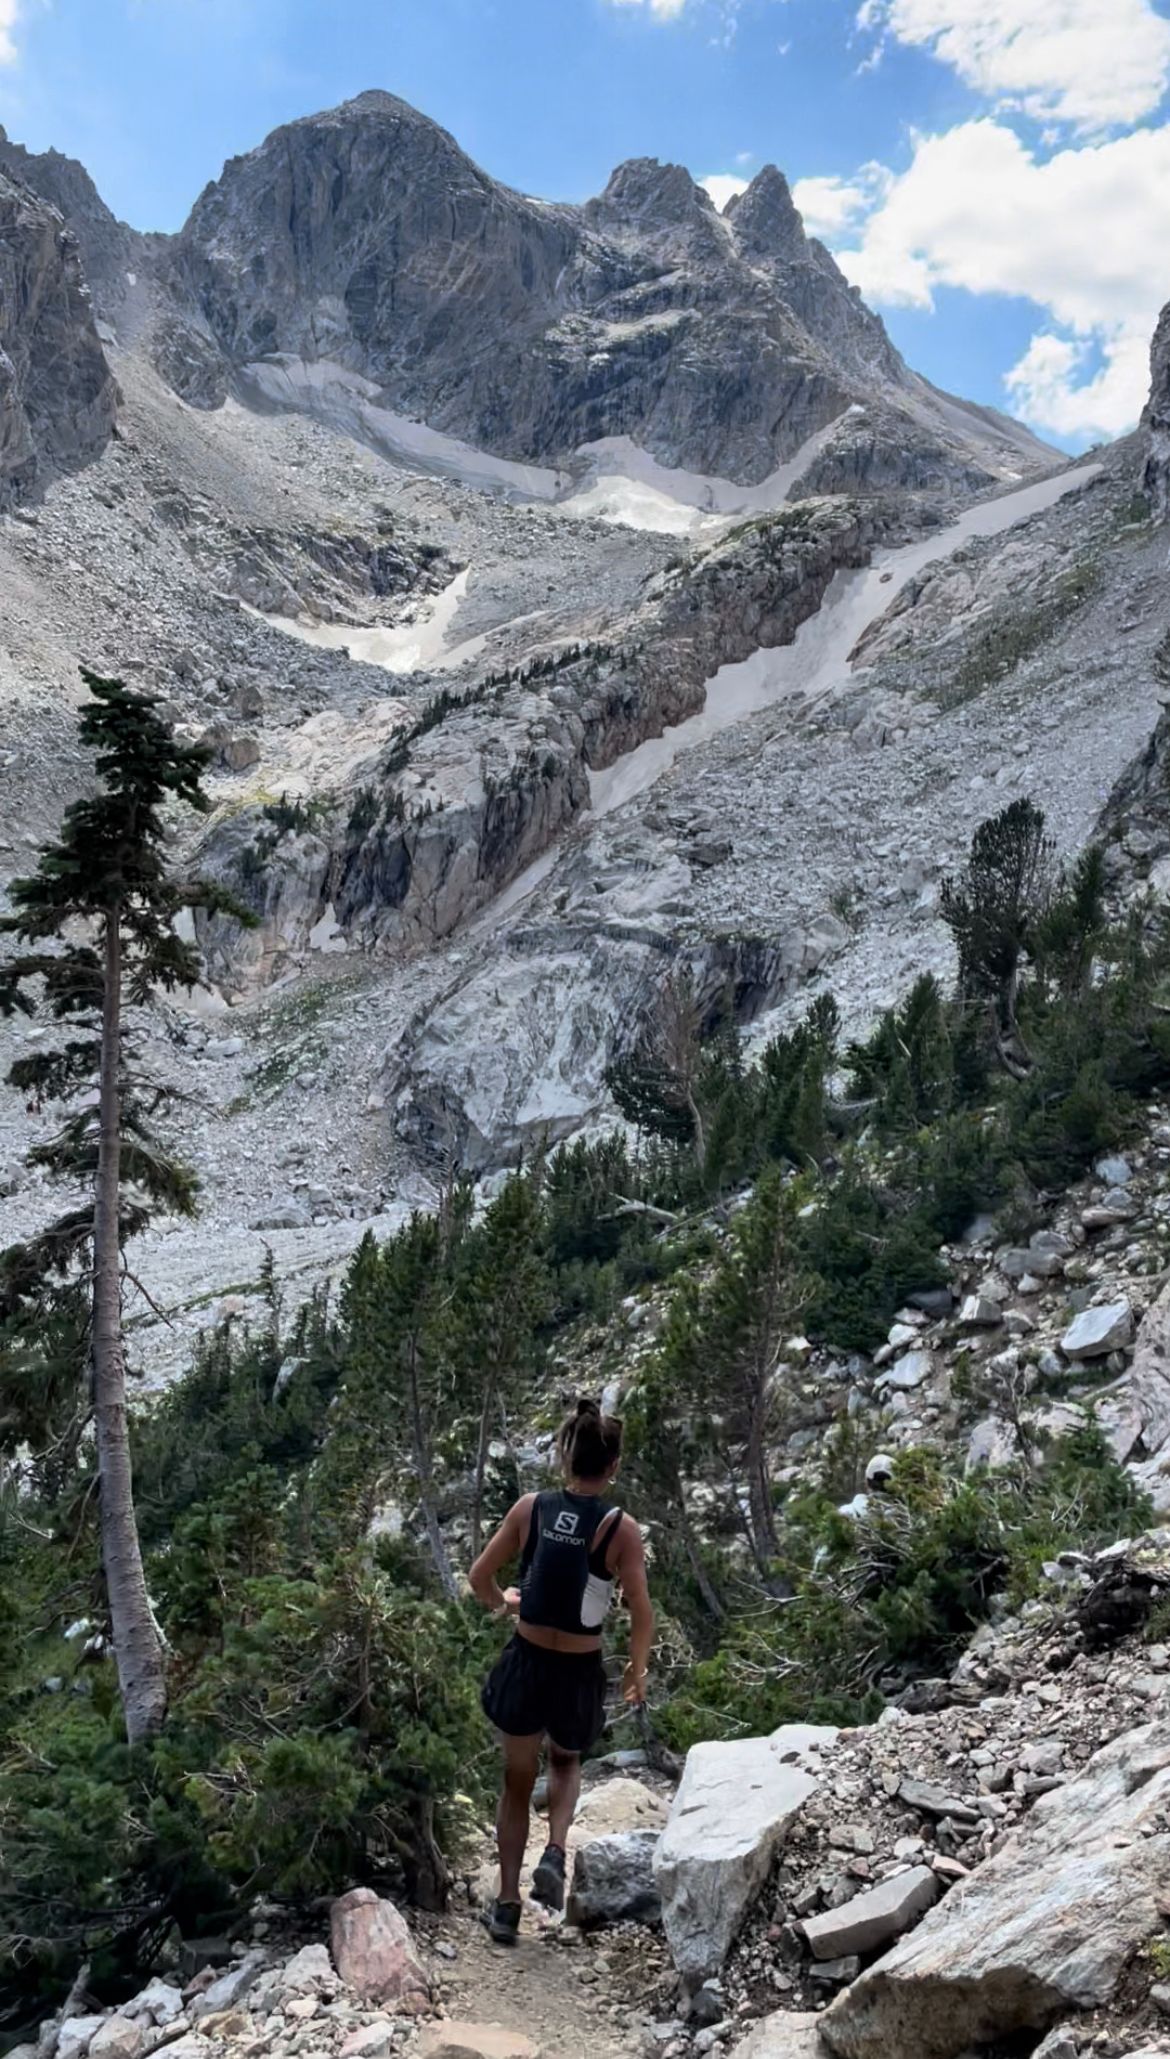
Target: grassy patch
{"points": [[1002, 645]]}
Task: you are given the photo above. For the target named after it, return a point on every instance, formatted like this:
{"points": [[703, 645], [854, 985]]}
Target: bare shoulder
{"points": [[628, 1545]]}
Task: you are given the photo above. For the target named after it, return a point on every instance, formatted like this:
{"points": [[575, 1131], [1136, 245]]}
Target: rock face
{"points": [[1156, 421], [57, 393], [530, 329], [729, 1818], [1046, 1927], [112, 255], [374, 1953]]}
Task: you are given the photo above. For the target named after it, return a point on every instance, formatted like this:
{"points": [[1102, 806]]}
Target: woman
{"points": [[574, 1550]]}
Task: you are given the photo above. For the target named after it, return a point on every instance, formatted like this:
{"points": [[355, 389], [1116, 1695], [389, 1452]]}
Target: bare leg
{"points": [[564, 1785], [521, 1759]]}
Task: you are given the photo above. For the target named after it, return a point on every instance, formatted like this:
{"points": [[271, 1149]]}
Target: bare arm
{"points": [[630, 1569], [506, 1545]]}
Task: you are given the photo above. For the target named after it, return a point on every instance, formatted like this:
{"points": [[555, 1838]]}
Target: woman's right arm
{"points": [[506, 1545]]}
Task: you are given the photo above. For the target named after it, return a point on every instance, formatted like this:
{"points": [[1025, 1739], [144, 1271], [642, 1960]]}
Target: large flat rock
{"points": [[874, 1918], [730, 1815], [1045, 1928]]}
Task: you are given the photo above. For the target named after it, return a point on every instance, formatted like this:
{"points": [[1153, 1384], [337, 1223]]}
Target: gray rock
{"points": [[1039, 1264], [1059, 2044], [1115, 1171], [613, 1879], [1098, 1331], [908, 1371], [835, 1972], [1046, 1927], [930, 1800], [979, 1311], [289, 1214], [729, 1818], [230, 1988], [310, 1970], [158, 2002], [873, 1918], [788, 2034]]}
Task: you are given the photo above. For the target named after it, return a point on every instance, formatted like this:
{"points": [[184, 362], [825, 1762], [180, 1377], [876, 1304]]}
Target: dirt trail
{"points": [[576, 1996], [558, 1997]]}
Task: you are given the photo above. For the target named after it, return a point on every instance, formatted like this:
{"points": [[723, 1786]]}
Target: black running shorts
{"points": [[557, 1693]]}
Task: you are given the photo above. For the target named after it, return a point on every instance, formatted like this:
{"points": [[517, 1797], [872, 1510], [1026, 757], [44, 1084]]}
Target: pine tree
{"points": [[992, 910], [504, 1295], [97, 919], [399, 1386]]}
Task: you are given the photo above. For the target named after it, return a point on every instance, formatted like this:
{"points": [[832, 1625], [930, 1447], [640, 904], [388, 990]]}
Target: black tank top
{"points": [[563, 1581]]}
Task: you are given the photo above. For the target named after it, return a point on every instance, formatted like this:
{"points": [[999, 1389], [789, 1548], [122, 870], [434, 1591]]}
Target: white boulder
{"points": [[1095, 1332], [730, 1815]]}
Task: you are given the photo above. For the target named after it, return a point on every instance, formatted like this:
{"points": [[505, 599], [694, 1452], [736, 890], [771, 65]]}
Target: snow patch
{"points": [[818, 660]]}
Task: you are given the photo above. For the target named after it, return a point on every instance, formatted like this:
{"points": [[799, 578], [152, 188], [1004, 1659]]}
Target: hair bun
{"points": [[586, 1407]]}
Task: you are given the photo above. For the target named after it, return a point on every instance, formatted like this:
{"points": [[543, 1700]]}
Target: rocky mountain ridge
{"points": [[720, 344], [58, 397]]}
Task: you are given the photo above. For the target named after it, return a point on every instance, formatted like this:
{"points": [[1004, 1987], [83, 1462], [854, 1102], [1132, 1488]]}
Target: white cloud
{"points": [[723, 186], [831, 206], [9, 15], [662, 10], [1084, 234], [1093, 63]]}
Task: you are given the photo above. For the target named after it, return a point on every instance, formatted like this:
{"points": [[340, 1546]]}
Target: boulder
{"points": [[230, 1988], [76, 2035], [614, 1806], [908, 1371], [474, 2041], [979, 1311], [1095, 1332], [613, 1878], [730, 1815], [310, 1970], [1046, 1927], [120, 2037], [374, 1953], [788, 2034], [158, 2001], [873, 1918], [370, 2040], [289, 1214]]}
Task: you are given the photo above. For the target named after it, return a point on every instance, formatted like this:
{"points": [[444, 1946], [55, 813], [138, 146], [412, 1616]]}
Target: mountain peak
{"points": [[646, 191], [766, 218]]}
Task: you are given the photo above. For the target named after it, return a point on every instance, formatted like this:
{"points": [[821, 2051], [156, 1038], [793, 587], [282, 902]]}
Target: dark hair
{"points": [[591, 1444]]}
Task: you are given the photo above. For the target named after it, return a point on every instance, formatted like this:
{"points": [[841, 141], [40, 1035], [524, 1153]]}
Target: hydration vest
{"points": [[564, 1584]]}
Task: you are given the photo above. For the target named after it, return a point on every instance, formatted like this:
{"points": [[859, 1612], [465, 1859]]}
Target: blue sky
{"points": [[995, 174]]}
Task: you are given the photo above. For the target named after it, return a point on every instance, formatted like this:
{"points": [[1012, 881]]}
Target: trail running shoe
{"points": [[502, 1922], [548, 1879]]}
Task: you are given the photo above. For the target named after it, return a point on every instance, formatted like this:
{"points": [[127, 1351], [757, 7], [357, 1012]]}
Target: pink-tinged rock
{"points": [[374, 1953]]}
